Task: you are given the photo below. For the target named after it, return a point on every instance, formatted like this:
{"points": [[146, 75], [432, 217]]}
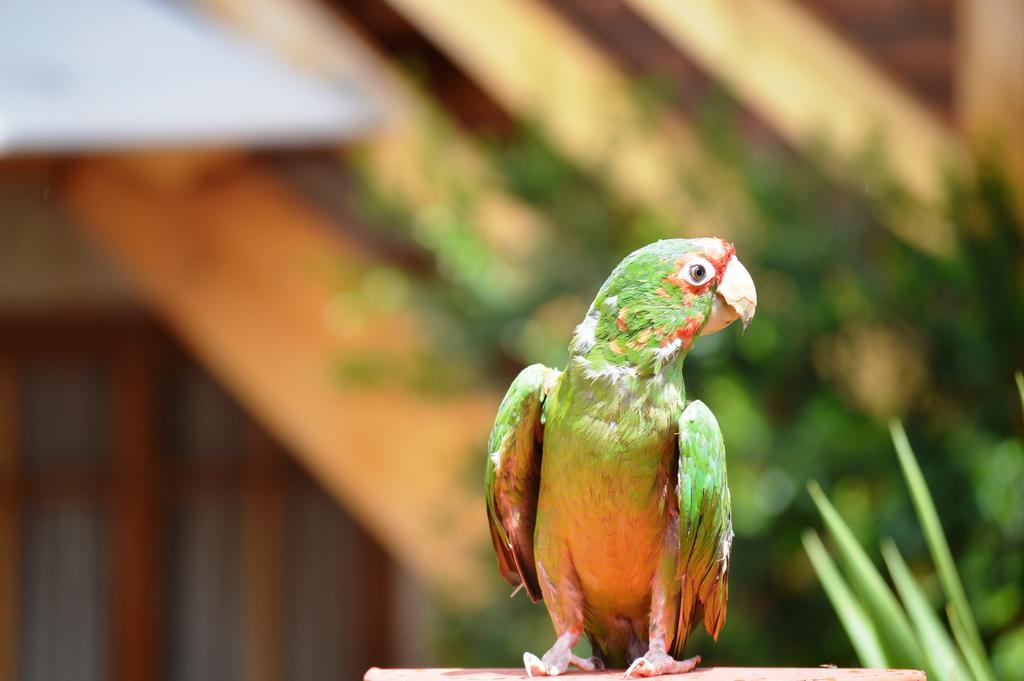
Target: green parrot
{"points": [[606, 493]]}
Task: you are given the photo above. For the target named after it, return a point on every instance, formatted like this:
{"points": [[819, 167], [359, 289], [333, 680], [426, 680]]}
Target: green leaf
{"points": [[885, 610], [944, 662], [978, 664], [1020, 388], [855, 621], [936, 538]]}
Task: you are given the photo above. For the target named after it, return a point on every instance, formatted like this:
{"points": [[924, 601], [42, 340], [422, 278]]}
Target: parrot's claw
{"points": [[554, 667], [657, 663], [534, 667]]}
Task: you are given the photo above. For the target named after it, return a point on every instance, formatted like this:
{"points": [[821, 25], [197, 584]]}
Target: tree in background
{"points": [[854, 327]]}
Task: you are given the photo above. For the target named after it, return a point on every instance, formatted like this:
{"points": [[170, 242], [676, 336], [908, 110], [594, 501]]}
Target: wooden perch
{"points": [[705, 674]]}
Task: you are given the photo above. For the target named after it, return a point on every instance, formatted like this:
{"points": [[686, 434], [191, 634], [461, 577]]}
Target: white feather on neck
{"points": [[583, 339]]}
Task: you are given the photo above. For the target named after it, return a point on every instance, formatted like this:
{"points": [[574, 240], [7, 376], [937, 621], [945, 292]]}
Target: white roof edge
{"points": [[113, 74]]}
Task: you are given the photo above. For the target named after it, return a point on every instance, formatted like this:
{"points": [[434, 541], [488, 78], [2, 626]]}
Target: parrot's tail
{"points": [[614, 642], [709, 604]]}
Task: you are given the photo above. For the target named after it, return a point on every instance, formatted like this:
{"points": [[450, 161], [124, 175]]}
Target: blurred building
{"points": [[186, 490], [152, 527]]}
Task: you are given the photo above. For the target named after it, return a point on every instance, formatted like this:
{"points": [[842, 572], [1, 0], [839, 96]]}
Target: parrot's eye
{"points": [[698, 272]]}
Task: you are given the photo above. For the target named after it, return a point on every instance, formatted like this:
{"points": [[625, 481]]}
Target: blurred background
{"points": [[267, 267]]}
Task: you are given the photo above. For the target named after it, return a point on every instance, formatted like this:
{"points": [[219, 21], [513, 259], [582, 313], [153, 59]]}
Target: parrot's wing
{"points": [[705, 523], [513, 475]]}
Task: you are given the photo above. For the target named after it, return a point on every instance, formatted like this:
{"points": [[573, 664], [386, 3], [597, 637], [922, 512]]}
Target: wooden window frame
{"points": [[138, 484]]}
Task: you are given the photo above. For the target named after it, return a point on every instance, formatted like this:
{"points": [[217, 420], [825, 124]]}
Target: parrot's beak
{"points": [[736, 299]]}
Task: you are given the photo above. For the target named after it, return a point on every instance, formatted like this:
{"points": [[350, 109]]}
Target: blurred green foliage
{"points": [[900, 627], [854, 327]]}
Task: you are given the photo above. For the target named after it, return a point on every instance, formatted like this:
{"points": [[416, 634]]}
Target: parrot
{"points": [[606, 491]]}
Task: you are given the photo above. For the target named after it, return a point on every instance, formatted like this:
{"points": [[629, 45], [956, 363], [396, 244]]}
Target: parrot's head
{"points": [[659, 299]]}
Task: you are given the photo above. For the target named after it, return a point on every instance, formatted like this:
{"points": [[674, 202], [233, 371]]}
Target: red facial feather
{"points": [[620, 319], [728, 250], [689, 330], [685, 333]]}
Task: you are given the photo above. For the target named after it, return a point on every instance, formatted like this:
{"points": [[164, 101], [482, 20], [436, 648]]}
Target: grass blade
{"points": [[1020, 388], [885, 610], [944, 661], [979, 665], [936, 538], [855, 621]]}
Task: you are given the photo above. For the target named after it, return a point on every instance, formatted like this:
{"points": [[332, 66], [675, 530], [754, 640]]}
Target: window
{"points": [[150, 529]]}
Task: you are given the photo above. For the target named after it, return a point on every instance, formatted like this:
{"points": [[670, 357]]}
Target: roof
{"points": [[121, 73]]}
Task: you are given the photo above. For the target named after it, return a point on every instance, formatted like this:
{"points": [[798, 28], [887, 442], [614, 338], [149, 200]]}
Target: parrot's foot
{"points": [[658, 662], [556, 661]]}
